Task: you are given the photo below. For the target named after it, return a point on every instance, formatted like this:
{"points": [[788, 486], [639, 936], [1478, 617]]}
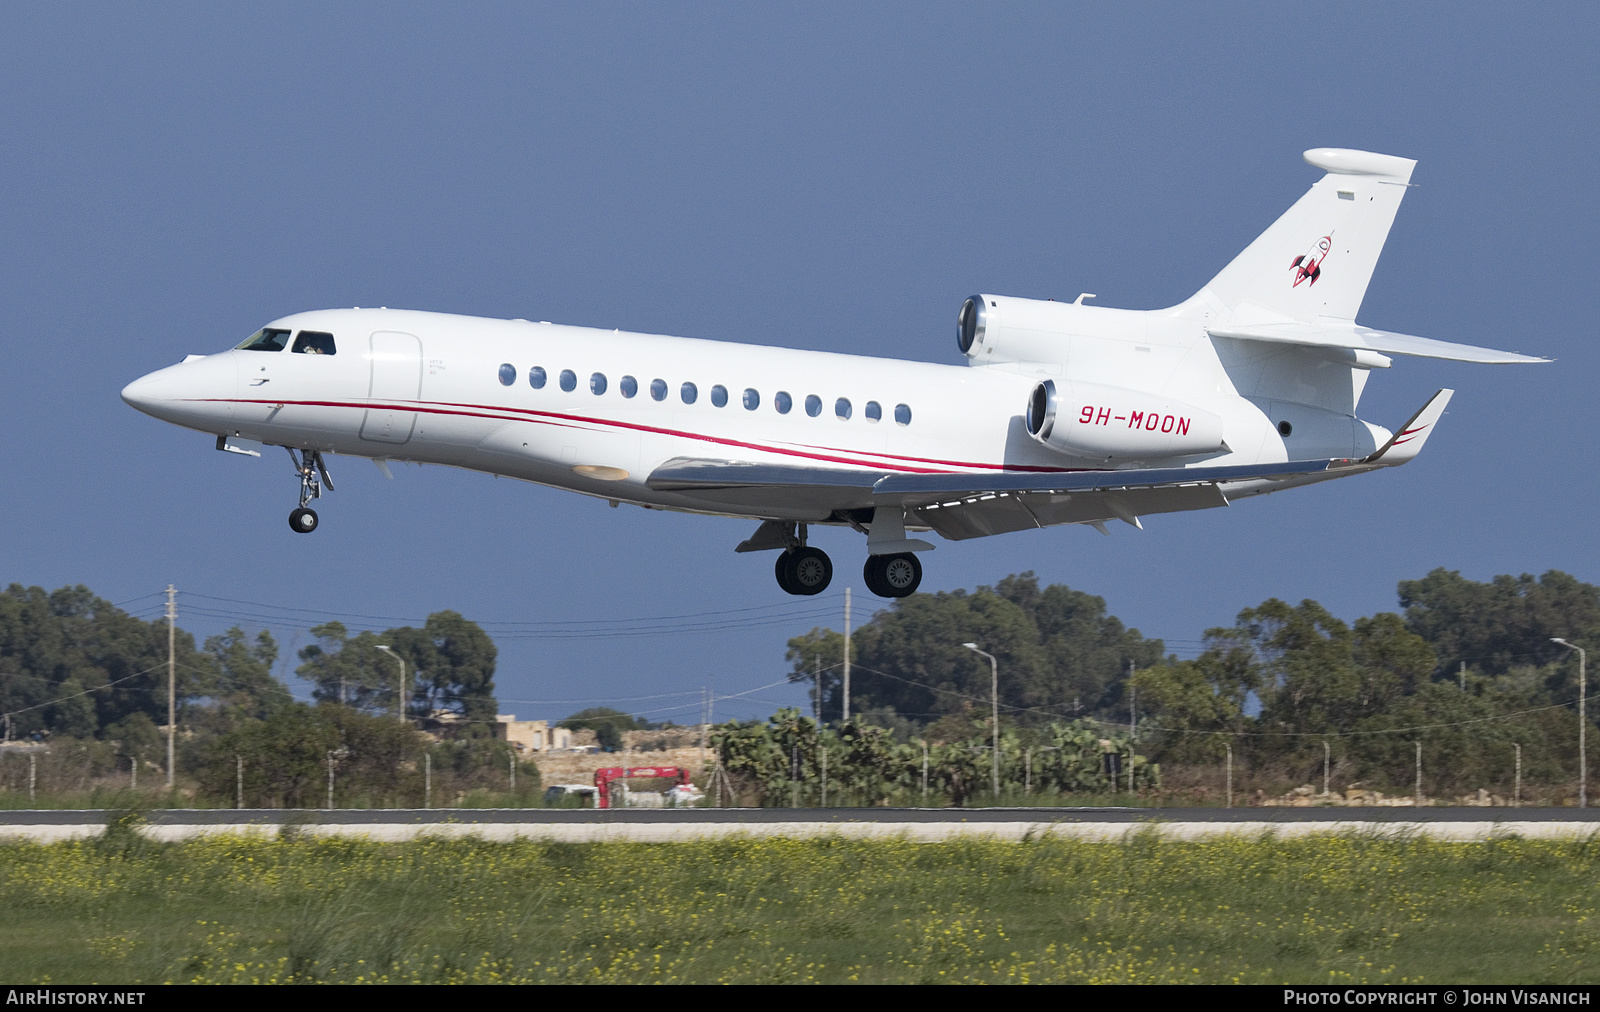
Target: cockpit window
{"points": [[266, 340], [312, 342]]}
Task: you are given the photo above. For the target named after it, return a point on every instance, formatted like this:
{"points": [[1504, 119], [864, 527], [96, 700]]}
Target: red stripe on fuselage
{"points": [[548, 418]]}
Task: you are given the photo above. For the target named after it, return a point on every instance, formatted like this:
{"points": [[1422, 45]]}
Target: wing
{"points": [[963, 505]]}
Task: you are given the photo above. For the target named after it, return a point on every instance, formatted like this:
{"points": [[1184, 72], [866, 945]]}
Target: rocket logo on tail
{"points": [[1307, 266]]}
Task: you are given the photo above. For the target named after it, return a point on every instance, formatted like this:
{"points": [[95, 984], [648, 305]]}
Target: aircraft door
{"points": [[396, 376]]}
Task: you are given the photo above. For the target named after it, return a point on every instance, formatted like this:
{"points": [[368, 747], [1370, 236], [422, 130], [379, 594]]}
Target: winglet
{"points": [[1407, 442]]}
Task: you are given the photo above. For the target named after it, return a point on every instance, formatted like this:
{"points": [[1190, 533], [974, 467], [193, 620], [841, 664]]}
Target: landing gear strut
{"points": [[308, 465], [892, 575]]}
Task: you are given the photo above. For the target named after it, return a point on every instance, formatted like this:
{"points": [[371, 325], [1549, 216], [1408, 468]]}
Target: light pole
{"points": [[1583, 721], [994, 701], [400, 695]]}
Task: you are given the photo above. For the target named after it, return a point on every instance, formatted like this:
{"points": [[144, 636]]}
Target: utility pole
{"points": [[1583, 722], [238, 783], [172, 679], [847, 655], [1463, 676], [816, 685]]}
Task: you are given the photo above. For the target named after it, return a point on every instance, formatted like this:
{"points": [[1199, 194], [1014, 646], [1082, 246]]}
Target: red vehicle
{"points": [[603, 778]]}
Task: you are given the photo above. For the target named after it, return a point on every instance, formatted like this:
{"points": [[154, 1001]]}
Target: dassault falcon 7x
{"points": [[1065, 413]]}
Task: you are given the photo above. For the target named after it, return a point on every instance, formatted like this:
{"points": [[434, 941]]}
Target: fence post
{"points": [[511, 761], [1325, 753], [924, 774], [33, 774], [1230, 774], [1418, 801], [1516, 798], [824, 772], [1027, 771], [427, 780], [330, 779]]}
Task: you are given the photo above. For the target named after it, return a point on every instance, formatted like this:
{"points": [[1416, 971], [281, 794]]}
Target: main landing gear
{"points": [[308, 465], [896, 575], [803, 570]]}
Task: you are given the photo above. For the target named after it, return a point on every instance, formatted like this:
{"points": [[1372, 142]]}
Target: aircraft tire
{"points": [[902, 574], [782, 570], [809, 570], [872, 575], [303, 520]]}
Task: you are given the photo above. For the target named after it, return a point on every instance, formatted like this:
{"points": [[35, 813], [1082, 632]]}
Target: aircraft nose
{"points": [[143, 393], [194, 392]]}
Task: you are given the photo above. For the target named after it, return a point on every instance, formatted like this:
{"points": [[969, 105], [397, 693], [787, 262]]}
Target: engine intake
{"points": [[1109, 423]]}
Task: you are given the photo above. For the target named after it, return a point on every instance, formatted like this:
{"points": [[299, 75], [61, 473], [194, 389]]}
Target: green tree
{"points": [[242, 682], [1505, 623], [349, 670], [606, 723], [449, 665], [818, 658], [72, 663]]}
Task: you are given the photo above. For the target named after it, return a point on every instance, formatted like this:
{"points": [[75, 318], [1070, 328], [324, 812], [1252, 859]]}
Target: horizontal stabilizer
{"points": [[1357, 338], [1408, 439]]}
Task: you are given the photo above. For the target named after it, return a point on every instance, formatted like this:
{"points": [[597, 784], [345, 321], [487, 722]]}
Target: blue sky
{"points": [[829, 176]]}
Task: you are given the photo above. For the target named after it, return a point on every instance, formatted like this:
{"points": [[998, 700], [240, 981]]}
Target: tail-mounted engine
{"points": [[995, 328], [1110, 423]]}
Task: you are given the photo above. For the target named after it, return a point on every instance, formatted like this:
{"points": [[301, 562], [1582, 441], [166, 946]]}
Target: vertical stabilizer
{"points": [[1316, 260]]}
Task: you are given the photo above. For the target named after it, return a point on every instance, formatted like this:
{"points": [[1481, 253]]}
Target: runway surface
{"points": [[923, 824]]}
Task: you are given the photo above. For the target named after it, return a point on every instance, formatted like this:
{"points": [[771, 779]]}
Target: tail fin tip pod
{"points": [[1316, 260]]}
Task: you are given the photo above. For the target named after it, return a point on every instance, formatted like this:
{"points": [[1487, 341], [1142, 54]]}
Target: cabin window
{"points": [[314, 342], [841, 408], [266, 340], [783, 402], [536, 377], [752, 400], [597, 384], [628, 385], [813, 405], [569, 380], [719, 396], [508, 374], [873, 411], [902, 414], [658, 390], [689, 392]]}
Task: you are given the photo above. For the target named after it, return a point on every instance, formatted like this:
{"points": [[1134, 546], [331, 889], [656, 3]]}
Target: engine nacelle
{"points": [[1108, 423], [996, 328]]}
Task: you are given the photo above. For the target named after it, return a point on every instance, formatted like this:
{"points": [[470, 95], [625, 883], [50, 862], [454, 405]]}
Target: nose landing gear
{"points": [[308, 465]]}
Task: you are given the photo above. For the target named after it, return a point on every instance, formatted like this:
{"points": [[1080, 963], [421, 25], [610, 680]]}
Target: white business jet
{"points": [[1065, 413]]}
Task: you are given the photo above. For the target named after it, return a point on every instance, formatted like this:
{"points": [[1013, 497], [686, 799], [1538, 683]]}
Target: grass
{"points": [[1321, 909]]}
